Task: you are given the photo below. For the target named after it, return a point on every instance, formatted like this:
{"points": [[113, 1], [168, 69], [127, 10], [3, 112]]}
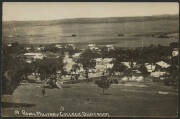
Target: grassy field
{"points": [[95, 32], [130, 99]]}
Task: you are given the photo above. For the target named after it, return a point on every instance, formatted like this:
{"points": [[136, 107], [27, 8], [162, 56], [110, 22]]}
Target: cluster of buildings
{"points": [[156, 70], [102, 64], [30, 57], [95, 48]]}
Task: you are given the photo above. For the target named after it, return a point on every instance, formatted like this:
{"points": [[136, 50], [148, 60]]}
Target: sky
{"points": [[23, 11]]}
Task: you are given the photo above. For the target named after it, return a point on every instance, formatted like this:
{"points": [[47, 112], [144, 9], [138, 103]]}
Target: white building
{"points": [[136, 78], [40, 48], [58, 46], [29, 61], [150, 67], [68, 62], [133, 78], [109, 66], [159, 72], [98, 60], [110, 47], [103, 64], [9, 45], [163, 64], [127, 64], [103, 60], [71, 45], [93, 47], [28, 48], [34, 55], [107, 60], [76, 55], [175, 52], [10, 36]]}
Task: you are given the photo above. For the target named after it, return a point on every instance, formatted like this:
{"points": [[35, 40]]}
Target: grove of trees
{"points": [[15, 69]]}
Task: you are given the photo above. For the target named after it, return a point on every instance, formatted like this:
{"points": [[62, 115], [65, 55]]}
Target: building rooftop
{"points": [[163, 64]]}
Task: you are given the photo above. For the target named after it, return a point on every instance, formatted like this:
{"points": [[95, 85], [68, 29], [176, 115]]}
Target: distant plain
{"points": [[121, 32]]}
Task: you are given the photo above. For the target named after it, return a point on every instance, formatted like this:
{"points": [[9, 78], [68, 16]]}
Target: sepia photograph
{"points": [[90, 59]]}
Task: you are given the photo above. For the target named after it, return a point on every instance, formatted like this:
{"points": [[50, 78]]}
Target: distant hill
{"points": [[119, 31], [94, 20]]}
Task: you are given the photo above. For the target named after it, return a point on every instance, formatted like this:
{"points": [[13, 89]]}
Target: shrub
{"points": [[103, 83]]}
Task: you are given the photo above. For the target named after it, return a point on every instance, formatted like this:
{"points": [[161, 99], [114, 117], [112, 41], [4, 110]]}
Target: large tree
{"points": [[12, 67], [172, 75], [117, 67], [49, 66], [75, 71], [143, 71], [103, 83], [88, 62], [71, 49]]}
